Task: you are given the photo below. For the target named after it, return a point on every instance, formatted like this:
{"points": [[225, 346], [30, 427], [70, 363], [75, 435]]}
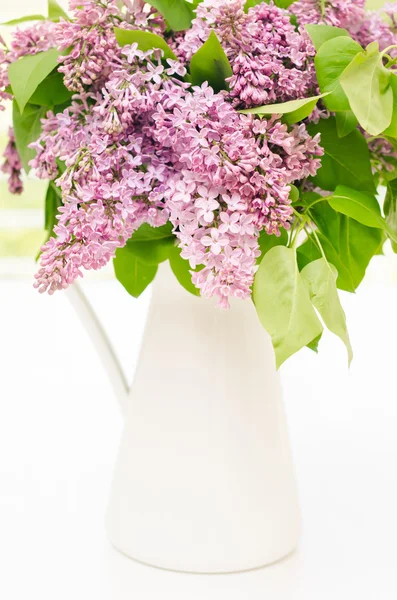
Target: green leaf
{"points": [[144, 39], [331, 60], [27, 129], [313, 345], [392, 129], [210, 64], [250, 3], [294, 110], [284, 3], [283, 303], [25, 19], [147, 233], [177, 13], [267, 242], [346, 161], [320, 278], [133, 274], [27, 73], [53, 201], [51, 91], [182, 271], [366, 83], [55, 12], [347, 244], [319, 34], [294, 194], [390, 209], [364, 208], [152, 245], [307, 199], [346, 122]]}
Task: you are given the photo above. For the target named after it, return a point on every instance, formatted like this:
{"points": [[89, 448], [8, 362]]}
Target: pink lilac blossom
{"points": [[12, 165], [364, 26], [271, 61], [115, 171], [348, 14], [140, 145], [233, 180]]}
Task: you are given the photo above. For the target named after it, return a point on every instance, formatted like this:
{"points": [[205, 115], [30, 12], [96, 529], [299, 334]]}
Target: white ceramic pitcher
{"points": [[204, 480]]}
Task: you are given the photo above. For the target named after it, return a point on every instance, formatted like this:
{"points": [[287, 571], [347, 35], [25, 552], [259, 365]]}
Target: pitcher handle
{"points": [[94, 328]]}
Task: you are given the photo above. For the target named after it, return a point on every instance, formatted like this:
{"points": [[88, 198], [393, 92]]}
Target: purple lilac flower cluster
{"points": [[271, 61], [139, 144], [364, 26], [12, 165], [233, 176]]}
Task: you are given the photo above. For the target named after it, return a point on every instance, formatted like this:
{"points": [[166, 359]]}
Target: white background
{"points": [[60, 428]]}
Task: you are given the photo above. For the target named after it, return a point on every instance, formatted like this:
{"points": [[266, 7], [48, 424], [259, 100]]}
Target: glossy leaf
{"points": [[392, 128], [51, 91], [182, 271], [331, 60], [293, 110], [55, 12], [27, 73], [267, 242], [347, 244], [25, 19], [320, 278], [152, 245], [364, 208], [133, 274], [284, 3], [178, 13], [145, 40], [345, 161], [211, 64], [319, 34], [366, 83], [27, 128], [346, 122], [250, 3], [283, 303], [53, 201], [390, 209], [313, 345]]}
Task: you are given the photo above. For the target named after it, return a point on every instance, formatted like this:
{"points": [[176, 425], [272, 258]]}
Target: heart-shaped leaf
{"points": [[283, 304], [346, 122], [347, 244], [182, 271], [178, 13], [345, 161], [27, 128], [152, 245], [55, 12], [366, 83], [319, 34], [320, 278], [145, 40], [211, 64], [331, 60], [364, 208], [133, 274], [28, 72]]}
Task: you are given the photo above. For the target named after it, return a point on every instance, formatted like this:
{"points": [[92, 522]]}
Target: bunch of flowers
{"points": [[237, 139]]}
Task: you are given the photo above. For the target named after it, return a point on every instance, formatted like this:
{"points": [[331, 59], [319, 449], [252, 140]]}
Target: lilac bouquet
{"points": [[243, 141]]}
